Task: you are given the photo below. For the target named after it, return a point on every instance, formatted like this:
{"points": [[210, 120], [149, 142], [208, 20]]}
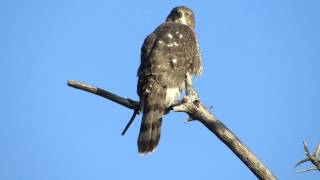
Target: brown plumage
{"points": [[167, 55]]}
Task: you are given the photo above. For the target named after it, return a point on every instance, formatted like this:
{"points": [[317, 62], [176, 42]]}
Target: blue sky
{"points": [[261, 75]]}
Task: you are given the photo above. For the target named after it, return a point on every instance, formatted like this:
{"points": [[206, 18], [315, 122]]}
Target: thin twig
{"points": [[194, 108], [306, 170], [130, 122], [317, 151], [313, 158]]}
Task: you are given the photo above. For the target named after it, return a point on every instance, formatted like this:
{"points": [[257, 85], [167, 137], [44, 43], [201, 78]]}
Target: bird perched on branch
{"points": [[168, 54]]}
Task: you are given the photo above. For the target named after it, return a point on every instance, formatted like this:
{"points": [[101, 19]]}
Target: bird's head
{"points": [[183, 15]]}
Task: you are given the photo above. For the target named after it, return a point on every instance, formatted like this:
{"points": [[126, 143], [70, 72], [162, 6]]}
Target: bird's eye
{"points": [[179, 14]]}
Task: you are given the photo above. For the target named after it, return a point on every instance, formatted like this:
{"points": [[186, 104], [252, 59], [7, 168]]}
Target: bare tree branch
{"points": [[131, 104], [317, 151], [135, 112], [302, 161], [196, 110], [306, 170], [313, 158]]}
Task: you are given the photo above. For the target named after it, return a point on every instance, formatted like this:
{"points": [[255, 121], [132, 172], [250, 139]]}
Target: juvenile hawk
{"points": [[167, 55]]}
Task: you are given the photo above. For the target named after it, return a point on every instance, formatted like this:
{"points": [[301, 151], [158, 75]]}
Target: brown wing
{"points": [[167, 55]]}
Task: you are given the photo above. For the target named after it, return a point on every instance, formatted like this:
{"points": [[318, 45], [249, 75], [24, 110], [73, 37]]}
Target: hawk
{"points": [[168, 54]]}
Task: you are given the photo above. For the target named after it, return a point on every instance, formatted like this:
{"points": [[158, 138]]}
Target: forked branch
{"points": [[196, 110], [313, 158]]}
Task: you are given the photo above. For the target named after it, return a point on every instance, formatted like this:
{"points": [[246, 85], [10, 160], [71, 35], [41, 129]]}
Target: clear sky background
{"points": [[261, 75]]}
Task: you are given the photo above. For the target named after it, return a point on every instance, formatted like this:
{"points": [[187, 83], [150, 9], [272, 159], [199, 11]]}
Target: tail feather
{"points": [[150, 129]]}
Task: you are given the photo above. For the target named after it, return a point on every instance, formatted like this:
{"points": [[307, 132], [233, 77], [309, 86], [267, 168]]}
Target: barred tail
{"points": [[150, 129]]}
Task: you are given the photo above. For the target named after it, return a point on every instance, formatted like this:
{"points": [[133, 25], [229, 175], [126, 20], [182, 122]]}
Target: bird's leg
{"points": [[190, 92], [191, 95], [188, 86]]}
